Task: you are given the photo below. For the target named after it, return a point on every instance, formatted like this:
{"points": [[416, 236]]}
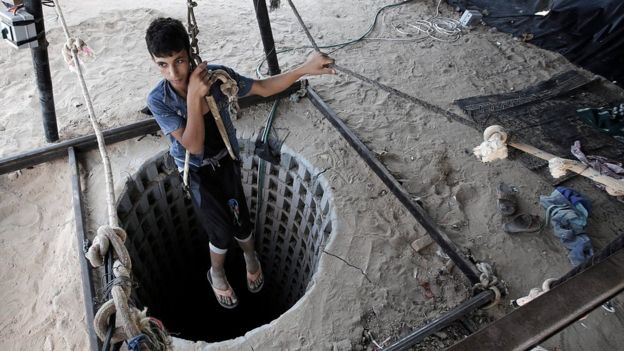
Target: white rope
{"points": [[440, 28], [72, 43], [130, 318]]}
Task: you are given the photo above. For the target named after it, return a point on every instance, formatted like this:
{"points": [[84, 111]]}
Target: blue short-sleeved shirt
{"points": [[169, 110]]}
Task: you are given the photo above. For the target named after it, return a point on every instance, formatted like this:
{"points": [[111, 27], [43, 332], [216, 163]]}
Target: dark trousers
{"points": [[219, 199]]}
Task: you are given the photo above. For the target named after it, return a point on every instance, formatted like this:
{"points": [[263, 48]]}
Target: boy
{"points": [[179, 107]]}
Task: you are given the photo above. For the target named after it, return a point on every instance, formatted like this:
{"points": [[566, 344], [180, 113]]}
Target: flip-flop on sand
{"points": [[523, 223], [506, 199], [223, 293]]}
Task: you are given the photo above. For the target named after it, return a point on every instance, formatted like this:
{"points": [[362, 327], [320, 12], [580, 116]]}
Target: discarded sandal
{"points": [[255, 281], [506, 199], [222, 294], [523, 223]]}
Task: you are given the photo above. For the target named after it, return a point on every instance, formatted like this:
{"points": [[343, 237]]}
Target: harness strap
{"points": [[214, 160]]}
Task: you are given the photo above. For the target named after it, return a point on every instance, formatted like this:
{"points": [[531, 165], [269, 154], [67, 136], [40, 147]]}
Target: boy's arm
{"points": [[192, 137], [316, 64]]}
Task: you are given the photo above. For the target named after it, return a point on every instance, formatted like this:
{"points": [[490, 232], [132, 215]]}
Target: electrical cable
{"points": [[338, 46], [443, 29]]}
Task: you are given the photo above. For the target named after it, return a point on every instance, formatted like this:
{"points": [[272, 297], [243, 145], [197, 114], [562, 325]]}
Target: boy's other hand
{"points": [[318, 63], [198, 82]]}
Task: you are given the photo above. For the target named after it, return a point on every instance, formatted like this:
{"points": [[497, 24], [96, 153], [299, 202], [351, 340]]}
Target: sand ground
{"points": [[41, 291]]}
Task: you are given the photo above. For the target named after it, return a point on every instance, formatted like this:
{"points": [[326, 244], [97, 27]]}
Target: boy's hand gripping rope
{"points": [[228, 87], [449, 114]]}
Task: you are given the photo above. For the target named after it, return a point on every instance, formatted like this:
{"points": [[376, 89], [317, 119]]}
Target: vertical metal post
{"points": [[262, 15], [42, 72]]}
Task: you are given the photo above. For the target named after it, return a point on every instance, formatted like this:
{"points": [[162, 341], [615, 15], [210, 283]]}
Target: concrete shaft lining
{"points": [[170, 251]]}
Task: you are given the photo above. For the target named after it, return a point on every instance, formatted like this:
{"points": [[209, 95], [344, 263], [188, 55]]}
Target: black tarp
{"points": [[545, 116], [589, 33]]}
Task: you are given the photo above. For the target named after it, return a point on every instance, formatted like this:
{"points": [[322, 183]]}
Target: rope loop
{"points": [[497, 297], [151, 331], [488, 280], [100, 323]]}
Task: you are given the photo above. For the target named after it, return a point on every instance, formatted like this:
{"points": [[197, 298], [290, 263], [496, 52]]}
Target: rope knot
{"points": [[107, 235], [488, 281], [74, 47], [558, 166]]}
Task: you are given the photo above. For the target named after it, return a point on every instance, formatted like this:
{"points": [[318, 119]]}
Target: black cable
{"points": [[516, 15], [338, 46], [109, 333], [108, 273]]}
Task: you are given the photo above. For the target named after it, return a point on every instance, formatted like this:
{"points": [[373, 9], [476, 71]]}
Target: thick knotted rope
{"points": [[488, 280], [131, 319], [106, 236]]}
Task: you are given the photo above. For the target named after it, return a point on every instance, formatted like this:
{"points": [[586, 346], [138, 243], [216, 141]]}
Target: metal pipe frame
{"points": [[262, 16], [448, 318], [43, 78], [111, 136], [551, 312], [88, 288], [395, 187]]}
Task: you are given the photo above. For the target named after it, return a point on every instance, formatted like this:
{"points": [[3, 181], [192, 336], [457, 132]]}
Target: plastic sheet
{"points": [[588, 33]]}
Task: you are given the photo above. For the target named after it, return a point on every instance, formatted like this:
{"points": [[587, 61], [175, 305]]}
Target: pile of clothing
{"points": [[567, 212]]}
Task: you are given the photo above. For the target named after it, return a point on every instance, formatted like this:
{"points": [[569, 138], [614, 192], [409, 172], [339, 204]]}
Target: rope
{"points": [[439, 28], [339, 46], [111, 234], [488, 280], [228, 87], [75, 45], [451, 115]]}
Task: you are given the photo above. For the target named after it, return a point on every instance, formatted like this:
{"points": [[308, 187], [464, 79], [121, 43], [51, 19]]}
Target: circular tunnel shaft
{"points": [[170, 253]]}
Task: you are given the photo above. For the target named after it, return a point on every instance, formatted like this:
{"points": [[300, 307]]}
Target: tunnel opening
{"points": [[170, 252]]}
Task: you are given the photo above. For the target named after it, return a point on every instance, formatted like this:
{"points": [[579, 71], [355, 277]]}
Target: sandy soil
{"points": [[41, 288]]}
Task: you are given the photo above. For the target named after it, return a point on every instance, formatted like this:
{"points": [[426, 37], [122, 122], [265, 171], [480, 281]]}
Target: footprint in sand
{"points": [[20, 215]]}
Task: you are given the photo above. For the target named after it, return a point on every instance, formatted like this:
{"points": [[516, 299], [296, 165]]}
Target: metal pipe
{"points": [[84, 143], [88, 142], [551, 312], [466, 307], [88, 288], [42, 72], [607, 251], [449, 114], [262, 15], [395, 187]]}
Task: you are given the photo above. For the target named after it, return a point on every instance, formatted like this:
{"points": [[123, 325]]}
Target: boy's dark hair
{"points": [[166, 36]]}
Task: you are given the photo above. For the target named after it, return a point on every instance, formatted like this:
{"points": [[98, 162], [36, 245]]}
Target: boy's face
{"points": [[175, 68]]}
